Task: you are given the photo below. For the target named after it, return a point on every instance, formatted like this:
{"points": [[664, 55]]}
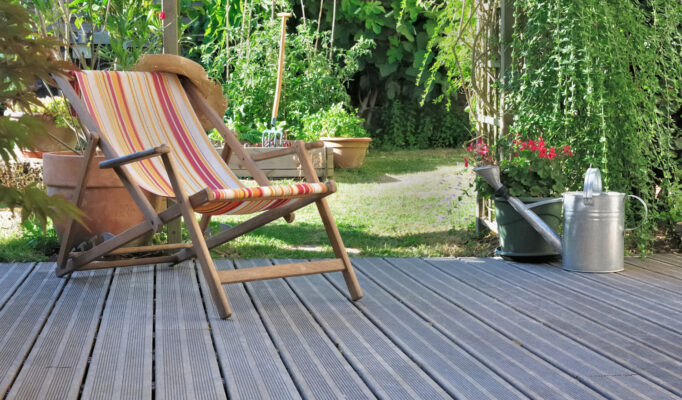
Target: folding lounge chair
{"points": [[145, 125]]}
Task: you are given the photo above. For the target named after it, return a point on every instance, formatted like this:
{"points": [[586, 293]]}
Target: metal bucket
{"points": [[594, 227]]}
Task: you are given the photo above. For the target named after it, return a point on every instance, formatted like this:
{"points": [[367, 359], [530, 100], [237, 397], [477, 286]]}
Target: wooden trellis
{"points": [[491, 60]]}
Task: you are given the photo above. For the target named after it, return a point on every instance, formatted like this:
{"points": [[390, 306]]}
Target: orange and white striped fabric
{"points": [[140, 110]]}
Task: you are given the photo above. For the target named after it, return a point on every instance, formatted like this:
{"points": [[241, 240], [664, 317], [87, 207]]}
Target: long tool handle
{"points": [[280, 66]]}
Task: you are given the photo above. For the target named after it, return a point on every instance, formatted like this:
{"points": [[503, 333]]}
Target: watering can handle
{"points": [[542, 203], [592, 184], [646, 213]]}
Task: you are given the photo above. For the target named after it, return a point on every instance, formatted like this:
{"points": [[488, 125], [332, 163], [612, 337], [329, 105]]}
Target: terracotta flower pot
{"points": [[107, 205], [348, 152]]}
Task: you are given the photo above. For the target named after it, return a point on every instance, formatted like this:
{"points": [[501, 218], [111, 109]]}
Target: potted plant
{"points": [[533, 171], [25, 59], [340, 130]]}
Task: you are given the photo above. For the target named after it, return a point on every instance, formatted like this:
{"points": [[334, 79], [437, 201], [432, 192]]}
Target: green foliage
{"points": [[386, 88], [332, 122], [23, 59], [606, 77], [313, 80], [34, 244], [406, 125]]}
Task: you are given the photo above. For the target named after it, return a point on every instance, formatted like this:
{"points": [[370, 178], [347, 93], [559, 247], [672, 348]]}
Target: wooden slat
{"points": [[313, 360], [657, 267], [280, 271], [143, 249], [619, 318], [386, 369], [477, 295], [56, 365], [460, 373], [674, 259], [121, 366], [11, 277], [250, 360], [22, 318], [186, 365], [655, 367], [129, 262], [613, 295], [506, 342], [278, 173]]}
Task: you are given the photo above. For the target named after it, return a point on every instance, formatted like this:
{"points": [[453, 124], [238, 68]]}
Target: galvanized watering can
{"points": [[594, 222]]}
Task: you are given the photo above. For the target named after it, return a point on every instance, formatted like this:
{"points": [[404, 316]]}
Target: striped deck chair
{"points": [[146, 126]]}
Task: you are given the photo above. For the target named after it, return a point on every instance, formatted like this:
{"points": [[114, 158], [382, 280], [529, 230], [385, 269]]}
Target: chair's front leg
{"points": [[329, 223], [202, 252], [77, 199]]}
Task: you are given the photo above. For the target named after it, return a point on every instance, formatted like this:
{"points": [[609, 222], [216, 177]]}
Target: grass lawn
{"points": [[399, 204]]}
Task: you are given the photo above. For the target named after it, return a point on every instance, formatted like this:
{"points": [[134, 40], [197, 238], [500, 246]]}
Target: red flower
{"points": [[552, 154], [466, 162], [567, 150], [480, 141], [471, 146], [162, 15]]}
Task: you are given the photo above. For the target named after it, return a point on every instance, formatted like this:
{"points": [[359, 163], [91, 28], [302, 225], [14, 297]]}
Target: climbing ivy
{"points": [[605, 76]]}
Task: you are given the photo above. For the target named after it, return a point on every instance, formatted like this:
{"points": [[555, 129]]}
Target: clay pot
{"points": [[348, 152], [106, 203]]}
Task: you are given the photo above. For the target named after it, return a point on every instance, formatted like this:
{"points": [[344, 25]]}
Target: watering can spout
{"points": [[491, 174]]}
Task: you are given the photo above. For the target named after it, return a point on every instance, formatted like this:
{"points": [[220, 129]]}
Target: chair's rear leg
{"points": [[339, 248], [205, 221]]}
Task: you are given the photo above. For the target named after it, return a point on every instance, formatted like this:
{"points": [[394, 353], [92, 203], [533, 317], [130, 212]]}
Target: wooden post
{"points": [[170, 46], [170, 26]]}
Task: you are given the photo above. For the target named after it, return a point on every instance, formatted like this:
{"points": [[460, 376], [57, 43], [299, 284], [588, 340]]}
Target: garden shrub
{"points": [[313, 82], [606, 77]]}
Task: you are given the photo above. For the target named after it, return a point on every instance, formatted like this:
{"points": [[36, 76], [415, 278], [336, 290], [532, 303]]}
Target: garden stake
{"points": [[273, 136]]}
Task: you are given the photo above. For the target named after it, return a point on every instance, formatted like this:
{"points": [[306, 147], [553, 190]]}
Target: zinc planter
{"points": [[348, 152], [106, 203], [518, 240]]}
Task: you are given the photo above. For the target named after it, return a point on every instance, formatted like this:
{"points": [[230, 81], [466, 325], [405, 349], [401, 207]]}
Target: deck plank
{"points": [[11, 277], [23, 317], [426, 328], [616, 296], [121, 366], [664, 283], [650, 364], [56, 365], [386, 368], [674, 259], [252, 366], [619, 319], [658, 267], [186, 364], [459, 372], [315, 363], [535, 358], [639, 289]]}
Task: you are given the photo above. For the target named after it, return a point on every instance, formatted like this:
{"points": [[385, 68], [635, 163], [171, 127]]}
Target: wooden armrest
{"points": [[134, 157], [283, 152]]}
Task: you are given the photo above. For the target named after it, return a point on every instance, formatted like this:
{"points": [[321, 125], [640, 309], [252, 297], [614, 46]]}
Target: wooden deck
{"points": [[426, 329]]}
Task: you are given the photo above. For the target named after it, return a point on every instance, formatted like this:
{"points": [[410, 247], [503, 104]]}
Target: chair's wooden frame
{"points": [[68, 262]]}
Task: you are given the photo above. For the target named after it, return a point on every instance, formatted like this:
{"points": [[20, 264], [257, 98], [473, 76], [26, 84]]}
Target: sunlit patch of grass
{"points": [[399, 204]]}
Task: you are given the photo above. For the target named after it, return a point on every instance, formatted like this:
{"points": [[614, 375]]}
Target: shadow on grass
{"points": [[379, 164], [304, 240]]}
